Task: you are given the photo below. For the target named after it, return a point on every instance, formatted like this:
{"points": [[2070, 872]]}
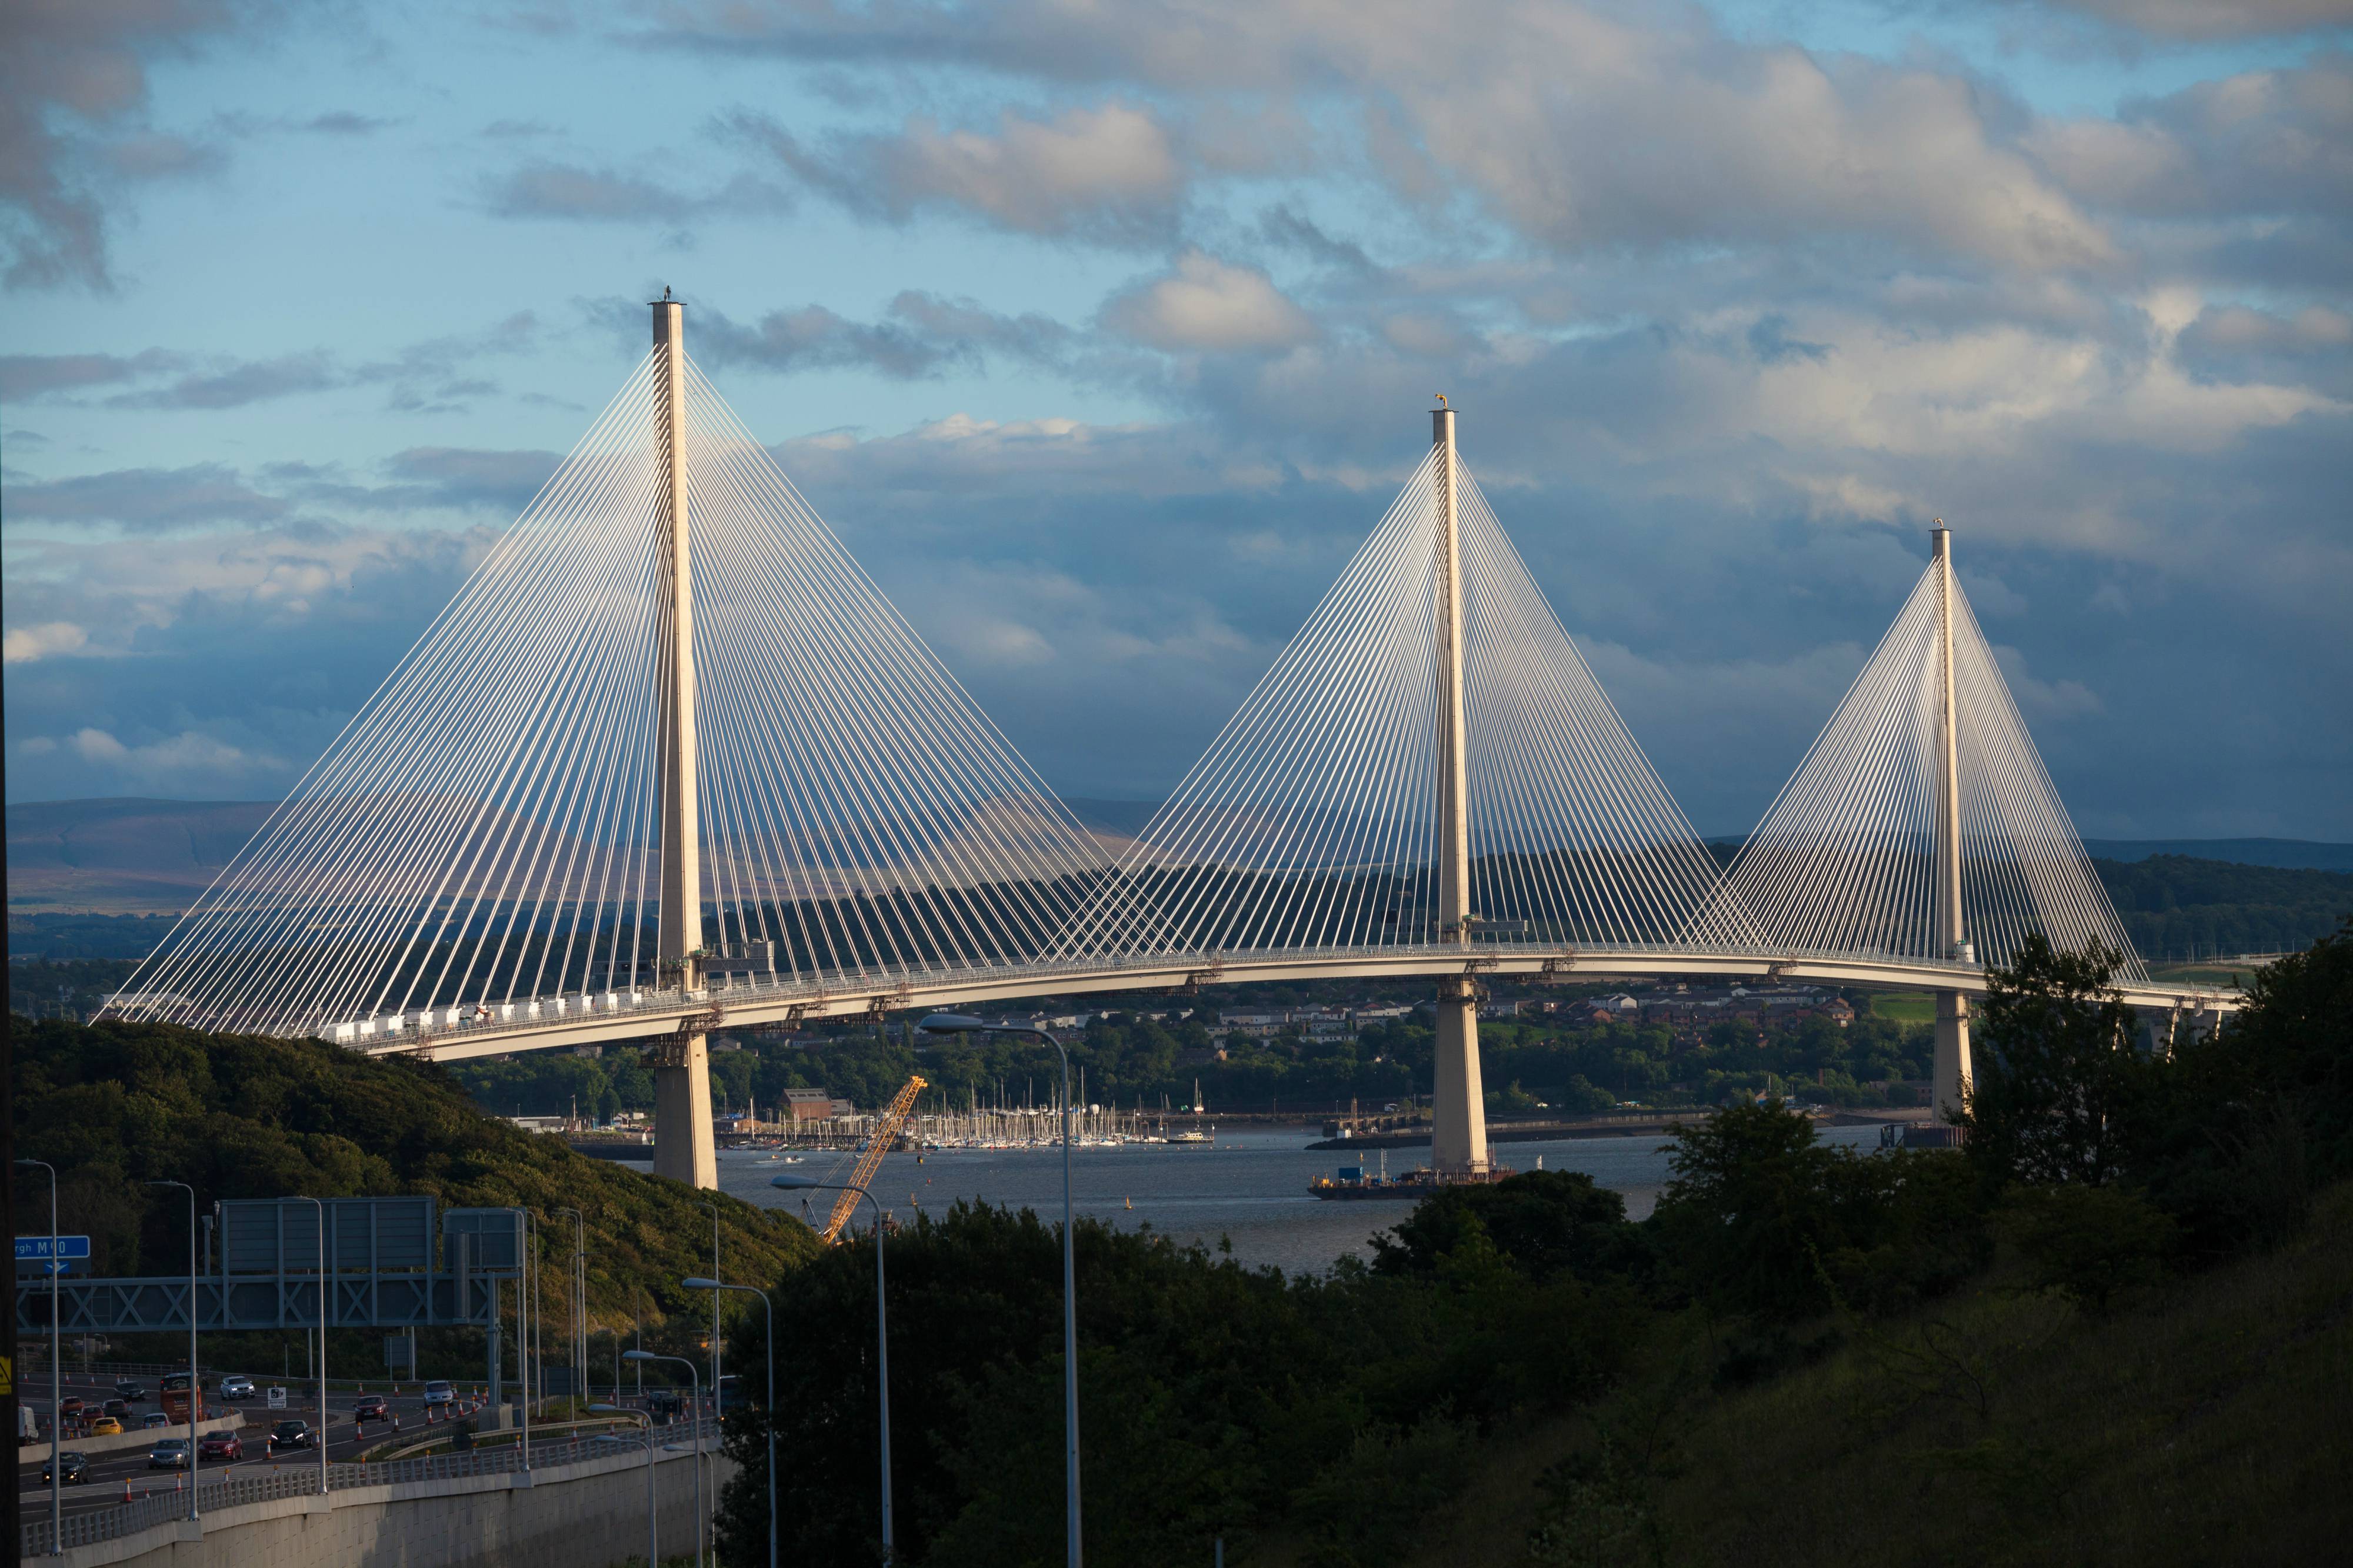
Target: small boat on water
{"points": [[1350, 1183]]}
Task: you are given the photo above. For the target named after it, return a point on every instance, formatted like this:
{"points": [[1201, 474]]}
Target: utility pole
{"points": [[1952, 1066], [682, 1138], [1458, 1143]]}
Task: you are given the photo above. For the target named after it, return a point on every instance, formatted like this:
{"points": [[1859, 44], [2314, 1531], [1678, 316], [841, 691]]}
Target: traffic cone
{"points": [[126, 1489]]}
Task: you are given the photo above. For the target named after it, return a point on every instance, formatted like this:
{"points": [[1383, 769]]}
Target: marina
{"points": [[1249, 1189]]}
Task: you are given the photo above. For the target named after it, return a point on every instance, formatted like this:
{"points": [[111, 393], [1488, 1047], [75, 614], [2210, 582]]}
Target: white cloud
{"points": [[187, 764], [26, 643], [1205, 304]]}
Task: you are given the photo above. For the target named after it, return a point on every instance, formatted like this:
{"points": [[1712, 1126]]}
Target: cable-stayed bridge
{"points": [[671, 760]]}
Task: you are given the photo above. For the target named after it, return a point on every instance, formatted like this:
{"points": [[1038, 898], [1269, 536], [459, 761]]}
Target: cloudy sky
{"points": [[1102, 333]]}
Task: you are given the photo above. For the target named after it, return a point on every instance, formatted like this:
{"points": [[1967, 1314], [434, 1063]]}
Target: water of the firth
{"points": [[1251, 1187]]}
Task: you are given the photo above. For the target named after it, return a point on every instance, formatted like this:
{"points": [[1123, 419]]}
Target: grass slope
{"points": [[240, 1116], [2206, 1423]]}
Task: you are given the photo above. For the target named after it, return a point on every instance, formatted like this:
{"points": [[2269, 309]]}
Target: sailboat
{"points": [[1195, 1138]]}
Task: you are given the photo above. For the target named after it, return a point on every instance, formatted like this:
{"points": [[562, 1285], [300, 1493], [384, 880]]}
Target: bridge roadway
{"points": [[607, 1018]]}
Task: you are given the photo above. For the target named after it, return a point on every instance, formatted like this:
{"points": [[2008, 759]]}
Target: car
{"points": [[71, 1405], [75, 1468], [227, 1446], [157, 1418], [289, 1434], [235, 1385], [372, 1407], [130, 1388], [118, 1408], [170, 1453], [439, 1393], [106, 1426]]}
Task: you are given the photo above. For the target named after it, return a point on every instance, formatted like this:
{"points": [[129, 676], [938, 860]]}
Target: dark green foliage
{"points": [[237, 1116], [1763, 1221], [2088, 1244], [1546, 1222], [2228, 1134], [2051, 1093], [2296, 1034], [2170, 903], [1215, 1399]]}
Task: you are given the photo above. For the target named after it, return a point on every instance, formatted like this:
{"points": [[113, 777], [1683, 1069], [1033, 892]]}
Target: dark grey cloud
{"points": [[1110, 173], [256, 381], [26, 377], [424, 377], [2259, 143], [2312, 347], [145, 500], [470, 478], [2214, 19], [550, 188], [920, 336], [345, 122], [86, 66]]}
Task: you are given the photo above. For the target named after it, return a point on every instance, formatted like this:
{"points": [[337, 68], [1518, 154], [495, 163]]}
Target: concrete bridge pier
{"points": [[683, 1150], [1951, 1073], [1457, 1142]]}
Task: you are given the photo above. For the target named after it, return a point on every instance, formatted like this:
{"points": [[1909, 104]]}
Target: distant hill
{"points": [[2288, 854], [77, 869], [123, 855]]}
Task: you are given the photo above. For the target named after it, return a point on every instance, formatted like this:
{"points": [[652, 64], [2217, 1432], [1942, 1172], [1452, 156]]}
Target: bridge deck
{"points": [[602, 1019]]}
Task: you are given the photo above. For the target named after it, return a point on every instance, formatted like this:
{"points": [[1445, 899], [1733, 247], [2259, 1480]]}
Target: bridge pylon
{"points": [[1949, 1078], [683, 1150], [1457, 1142]]}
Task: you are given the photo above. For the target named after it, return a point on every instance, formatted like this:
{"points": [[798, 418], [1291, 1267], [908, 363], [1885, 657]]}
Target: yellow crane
{"points": [[870, 1159]]}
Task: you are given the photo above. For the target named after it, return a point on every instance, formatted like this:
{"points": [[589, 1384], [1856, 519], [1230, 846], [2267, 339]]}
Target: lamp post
{"points": [[321, 1437], [715, 1395], [57, 1364], [1069, 1279], [695, 1374], [194, 1381], [882, 1338], [580, 1299], [653, 1529], [523, 1278], [770, 1412]]}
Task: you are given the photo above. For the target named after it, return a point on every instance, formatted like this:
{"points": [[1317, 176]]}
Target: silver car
{"points": [[439, 1393], [235, 1385], [170, 1453]]}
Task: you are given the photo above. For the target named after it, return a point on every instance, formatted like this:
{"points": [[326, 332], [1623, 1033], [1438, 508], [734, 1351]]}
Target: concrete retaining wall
{"points": [[580, 1516]]}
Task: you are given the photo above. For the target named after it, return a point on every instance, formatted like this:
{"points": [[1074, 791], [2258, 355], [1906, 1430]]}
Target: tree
{"points": [[2056, 1072]]}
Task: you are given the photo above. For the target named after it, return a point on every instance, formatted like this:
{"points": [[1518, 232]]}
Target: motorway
{"points": [[109, 1472]]}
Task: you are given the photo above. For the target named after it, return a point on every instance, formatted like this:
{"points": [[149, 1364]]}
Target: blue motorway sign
{"points": [[36, 1248]]}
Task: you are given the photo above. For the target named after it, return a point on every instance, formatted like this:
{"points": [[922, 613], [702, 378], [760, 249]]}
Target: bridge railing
{"points": [[534, 1015], [299, 1480]]}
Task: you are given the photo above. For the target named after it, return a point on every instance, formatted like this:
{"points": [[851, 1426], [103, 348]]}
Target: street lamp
{"points": [[195, 1380], [653, 1530], [57, 1365], [770, 1413], [881, 1337], [694, 1372], [580, 1300], [1069, 1282], [321, 1436]]}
